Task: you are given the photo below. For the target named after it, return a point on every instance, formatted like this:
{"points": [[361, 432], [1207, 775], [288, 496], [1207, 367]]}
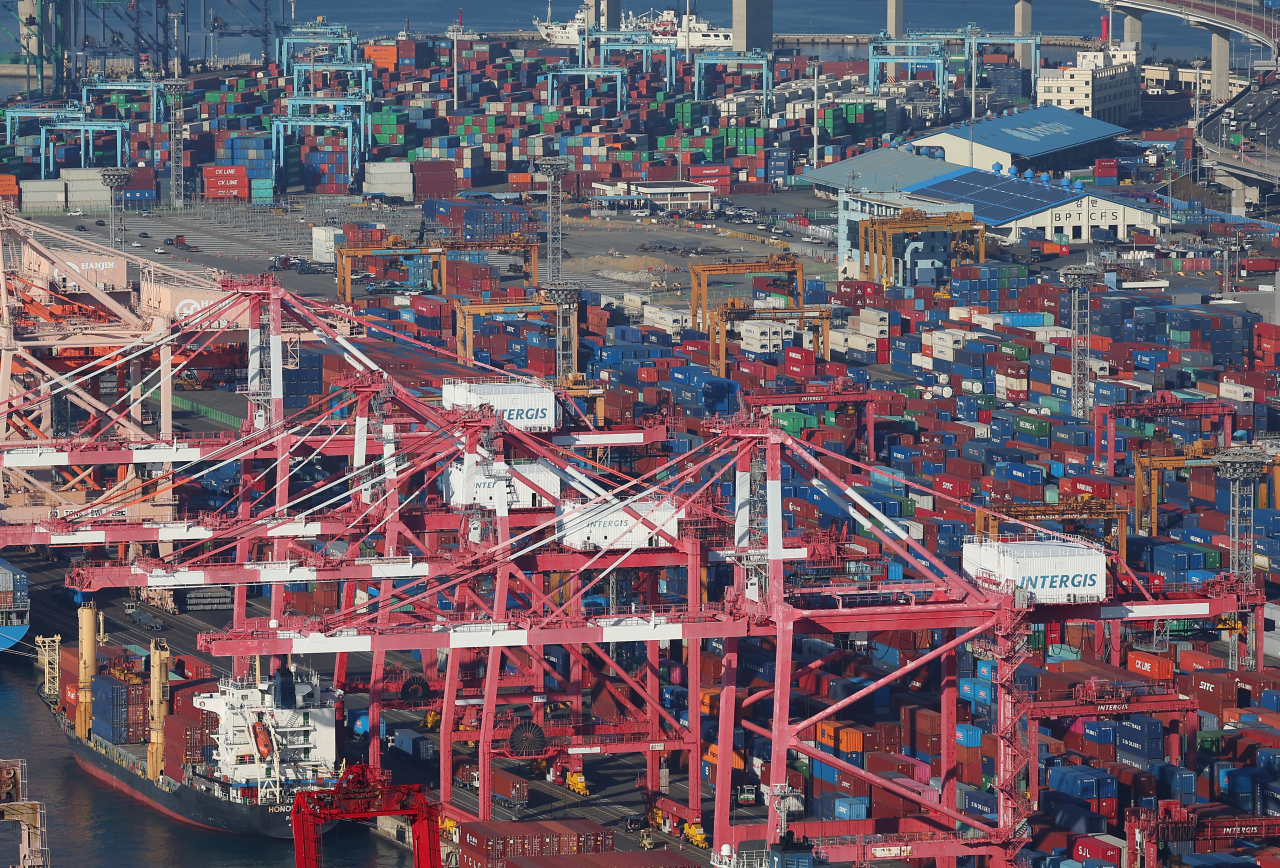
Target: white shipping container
{"points": [[876, 317], [1059, 378], [862, 344], [323, 253], [1049, 571], [82, 175], [488, 486], [874, 330], [922, 361], [762, 329], [42, 186], [524, 405], [609, 526], [388, 169], [944, 352], [1236, 392], [39, 198]]}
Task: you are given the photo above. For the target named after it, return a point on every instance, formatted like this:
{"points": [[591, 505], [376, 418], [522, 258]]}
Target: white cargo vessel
{"points": [[668, 28]]}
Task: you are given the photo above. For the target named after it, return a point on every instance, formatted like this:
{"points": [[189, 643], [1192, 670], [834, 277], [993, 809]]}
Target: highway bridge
{"points": [[1260, 26]]}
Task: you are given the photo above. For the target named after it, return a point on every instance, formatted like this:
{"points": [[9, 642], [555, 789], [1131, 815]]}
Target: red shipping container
{"points": [[1150, 664]]}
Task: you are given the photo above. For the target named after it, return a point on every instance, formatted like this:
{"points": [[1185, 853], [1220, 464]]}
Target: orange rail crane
{"points": [[1148, 474], [465, 315], [777, 263], [1163, 405], [362, 793], [438, 251], [875, 239], [1076, 509], [735, 311]]}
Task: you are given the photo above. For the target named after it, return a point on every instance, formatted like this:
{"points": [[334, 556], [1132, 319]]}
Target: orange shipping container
{"points": [[381, 56], [739, 760], [710, 700], [850, 739], [827, 732], [1149, 664]]}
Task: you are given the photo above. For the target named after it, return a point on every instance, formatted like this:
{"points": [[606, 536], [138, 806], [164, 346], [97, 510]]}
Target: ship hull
{"points": [[11, 635], [186, 804]]}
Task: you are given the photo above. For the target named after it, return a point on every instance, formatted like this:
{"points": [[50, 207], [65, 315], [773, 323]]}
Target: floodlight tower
{"points": [[555, 168], [1242, 466], [173, 91], [566, 299], [564, 294], [1079, 279], [114, 178]]}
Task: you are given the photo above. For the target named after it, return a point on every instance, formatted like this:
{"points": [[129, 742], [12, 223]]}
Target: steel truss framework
{"points": [[488, 570]]}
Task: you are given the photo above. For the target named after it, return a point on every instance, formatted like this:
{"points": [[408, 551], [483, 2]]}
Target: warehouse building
{"points": [[1041, 139], [1004, 202], [673, 195]]}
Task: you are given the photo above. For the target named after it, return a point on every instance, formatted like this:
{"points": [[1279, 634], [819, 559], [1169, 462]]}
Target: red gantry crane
{"points": [[460, 531]]}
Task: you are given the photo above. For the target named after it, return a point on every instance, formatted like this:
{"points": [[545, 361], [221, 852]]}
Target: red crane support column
{"points": [[1192, 719], [448, 714], [724, 736], [1259, 636], [785, 620], [375, 709], [783, 735], [949, 771], [693, 681], [385, 588]]}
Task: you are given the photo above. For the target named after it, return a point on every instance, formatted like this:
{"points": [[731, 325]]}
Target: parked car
{"points": [[135, 243], [168, 242], [75, 213], [161, 250], [99, 222], [144, 235], [80, 227]]}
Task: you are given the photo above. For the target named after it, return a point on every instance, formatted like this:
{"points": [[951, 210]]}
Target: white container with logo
{"points": [[1056, 571], [526, 406]]}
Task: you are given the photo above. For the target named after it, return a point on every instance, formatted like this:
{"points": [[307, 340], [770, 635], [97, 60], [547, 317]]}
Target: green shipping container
{"points": [[1036, 426], [793, 422], [1018, 351]]}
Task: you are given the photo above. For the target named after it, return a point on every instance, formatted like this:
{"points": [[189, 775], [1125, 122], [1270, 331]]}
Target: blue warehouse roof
{"points": [[1034, 132], [996, 199]]}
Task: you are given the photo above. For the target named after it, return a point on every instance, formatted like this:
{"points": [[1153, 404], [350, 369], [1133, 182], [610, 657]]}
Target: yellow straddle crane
{"points": [[438, 251], [875, 238]]}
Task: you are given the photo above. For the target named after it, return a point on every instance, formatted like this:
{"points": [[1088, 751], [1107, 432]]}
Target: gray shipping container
{"points": [[413, 743]]}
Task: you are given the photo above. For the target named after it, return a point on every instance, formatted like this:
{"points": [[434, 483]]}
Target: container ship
{"points": [[223, 754], [15, 605], [668, 28]]}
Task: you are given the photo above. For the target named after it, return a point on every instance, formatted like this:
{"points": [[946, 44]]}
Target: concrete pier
{"points": [[1022, 27], [752, 25], [1220, 61], [1133, 25]]}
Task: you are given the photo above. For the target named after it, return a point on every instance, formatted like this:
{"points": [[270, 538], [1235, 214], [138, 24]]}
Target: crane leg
{"points": [[306, 839]]}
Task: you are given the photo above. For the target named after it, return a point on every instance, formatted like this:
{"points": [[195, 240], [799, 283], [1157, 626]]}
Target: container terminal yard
{"points": [[625, 454]]}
